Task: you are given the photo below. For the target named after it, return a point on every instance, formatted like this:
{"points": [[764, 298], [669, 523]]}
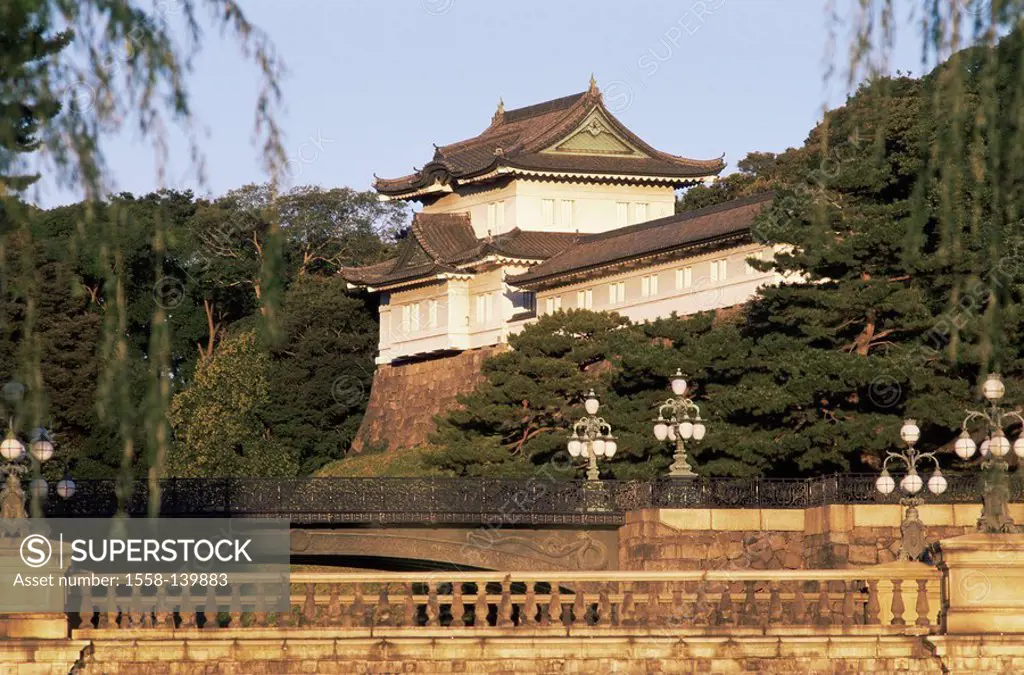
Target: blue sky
{"points": [[371, 84]]}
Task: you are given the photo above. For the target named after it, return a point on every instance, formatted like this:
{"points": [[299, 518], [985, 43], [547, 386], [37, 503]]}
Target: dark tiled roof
{"points": [[655, 236], [515, 139], [443, 235], [438, 242]]}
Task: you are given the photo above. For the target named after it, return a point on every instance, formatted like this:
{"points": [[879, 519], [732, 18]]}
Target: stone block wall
{"points": [[405, 397], [828, 537], [681, 539], [296, 651]]}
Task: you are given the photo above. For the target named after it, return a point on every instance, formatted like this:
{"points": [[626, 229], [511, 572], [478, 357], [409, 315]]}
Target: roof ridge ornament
{"points": [[499, 114], [593, 84]]}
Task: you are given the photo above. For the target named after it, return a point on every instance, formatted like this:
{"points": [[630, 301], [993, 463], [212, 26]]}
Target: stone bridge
{"points": [[410, 524]]}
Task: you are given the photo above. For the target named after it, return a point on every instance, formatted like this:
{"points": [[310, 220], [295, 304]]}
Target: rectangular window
{"points": [[547, 212], [649, 286], [641, 212], [616, 292], [558, 302], [406, 317], [718, 270], [549, 305], [432, 313], [568, 213], [621, 214], [499, 221], [417, 321], [585, 299], [492, 215], [684, 278], [489, 308]]}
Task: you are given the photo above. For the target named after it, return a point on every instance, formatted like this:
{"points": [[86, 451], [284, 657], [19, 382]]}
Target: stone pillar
{"points": [[49, 622], [985, 575]]}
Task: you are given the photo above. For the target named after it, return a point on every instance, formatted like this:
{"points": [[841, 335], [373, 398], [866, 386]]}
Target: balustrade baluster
{"points": [[528, 614], [653, 607], [725, 609], [554, 614], [480, 607], [236, 605], [799, 604], [579, 605], [749, 611], [433, 607], [678, 615], [851, 590], [897, 603], [458, 608], [160, 609], [210, 609], [922, 603], [382, 612], [824, 606], [85, 610], [873, 608], [408, 617], [774, 604], [309, 606], [186, 608], [701, 608], [106, 618], [627, 610], [358, 609], [135, 609], [260, 610], [505, 606], [334, 611], [604, 606]]}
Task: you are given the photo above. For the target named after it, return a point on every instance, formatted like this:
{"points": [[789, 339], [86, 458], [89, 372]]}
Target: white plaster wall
{"points": [[596, 207], [458, 325], [703, 294]]}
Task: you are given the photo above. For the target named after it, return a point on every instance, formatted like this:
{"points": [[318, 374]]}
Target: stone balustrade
{"points": [[891, 599]]}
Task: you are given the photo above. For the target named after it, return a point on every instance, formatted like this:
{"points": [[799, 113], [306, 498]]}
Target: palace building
{"points": [[554, 206]]}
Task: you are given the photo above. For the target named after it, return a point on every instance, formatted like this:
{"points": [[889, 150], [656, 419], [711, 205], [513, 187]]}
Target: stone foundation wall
{"points": [[824, 537], [404, 398], [596, 652]]}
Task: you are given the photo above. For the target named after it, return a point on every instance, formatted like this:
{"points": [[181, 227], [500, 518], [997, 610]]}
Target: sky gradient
{"points": [[371, 84]]}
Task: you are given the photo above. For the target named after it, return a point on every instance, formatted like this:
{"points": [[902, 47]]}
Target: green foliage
{"points": [[320, 376], [218, 420], [27, 51], [517, 419], [902, 288], [170, 307]]}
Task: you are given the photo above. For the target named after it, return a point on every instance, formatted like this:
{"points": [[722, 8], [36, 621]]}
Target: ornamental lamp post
{"points": [[912, 544], [995, 517], [17, 462], [592, 437], [675, 424]]}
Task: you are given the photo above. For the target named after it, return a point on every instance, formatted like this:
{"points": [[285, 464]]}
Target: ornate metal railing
{"points": [[481, 500], [865, 601]]}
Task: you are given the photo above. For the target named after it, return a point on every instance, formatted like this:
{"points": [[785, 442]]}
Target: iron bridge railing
{"points": [[527, 501]]}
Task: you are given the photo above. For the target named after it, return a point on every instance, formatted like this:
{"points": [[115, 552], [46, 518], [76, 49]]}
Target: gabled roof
{"points": [[570, 137], [709, 227], [441, 244]]}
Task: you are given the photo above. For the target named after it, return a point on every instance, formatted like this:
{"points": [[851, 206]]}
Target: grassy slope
{"points": [[397, 464]]}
